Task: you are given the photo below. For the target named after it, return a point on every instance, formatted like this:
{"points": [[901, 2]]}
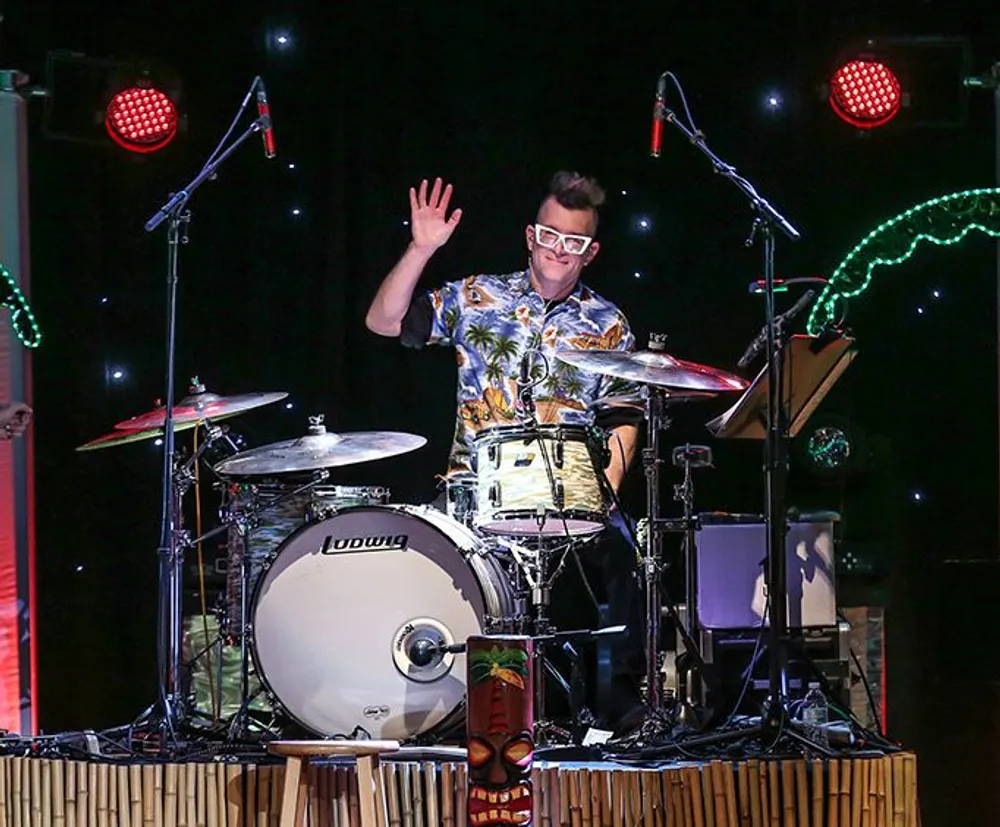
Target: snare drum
{"points": [[346, 618], [538, 481]]}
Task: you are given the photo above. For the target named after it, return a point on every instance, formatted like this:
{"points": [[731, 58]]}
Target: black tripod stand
{"points": [[166, 714], [767, 221]]}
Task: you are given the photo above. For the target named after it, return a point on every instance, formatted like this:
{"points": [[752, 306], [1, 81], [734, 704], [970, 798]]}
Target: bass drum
{"points": [[348, 615]]}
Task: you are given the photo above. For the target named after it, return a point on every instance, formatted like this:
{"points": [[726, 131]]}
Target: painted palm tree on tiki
{"points": [[507, 667]]}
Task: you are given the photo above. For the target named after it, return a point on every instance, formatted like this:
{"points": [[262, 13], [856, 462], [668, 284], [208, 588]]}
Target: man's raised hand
{"points": [[430, 224]]}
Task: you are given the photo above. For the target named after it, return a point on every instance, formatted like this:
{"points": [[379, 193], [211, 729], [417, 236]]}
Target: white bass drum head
{"points": [[336, 614]]}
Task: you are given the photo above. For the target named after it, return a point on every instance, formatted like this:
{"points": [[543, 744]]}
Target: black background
{"points": [[373, 97]]}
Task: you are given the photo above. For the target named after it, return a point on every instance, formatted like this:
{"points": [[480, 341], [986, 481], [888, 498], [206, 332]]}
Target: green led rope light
{"points": [[943, 221], [21, 317]]}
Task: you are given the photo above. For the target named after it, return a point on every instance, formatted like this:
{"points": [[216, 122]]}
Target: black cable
{"points": [[232, 126], [684, 103], [864, 679], [753, 662], [868, 692]]}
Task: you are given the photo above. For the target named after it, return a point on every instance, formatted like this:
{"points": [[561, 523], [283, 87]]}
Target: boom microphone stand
{"points": [[170, 551], [766, 221]]}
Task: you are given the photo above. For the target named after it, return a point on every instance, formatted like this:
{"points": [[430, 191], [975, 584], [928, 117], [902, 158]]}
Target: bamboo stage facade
{"points": [[849, 792]]}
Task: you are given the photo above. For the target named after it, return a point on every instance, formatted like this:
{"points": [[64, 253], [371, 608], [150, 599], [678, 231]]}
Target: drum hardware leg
{"points": [[582, 718], [691, 664], [652, 560], [219, 670], [540, 598], [239, 727], [651, 563], [242, 724], [545, 731]]}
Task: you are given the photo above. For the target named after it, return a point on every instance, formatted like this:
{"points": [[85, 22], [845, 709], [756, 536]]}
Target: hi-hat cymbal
{"points": [[125, 437], [199, 407], [318, 449], [653, 368]]}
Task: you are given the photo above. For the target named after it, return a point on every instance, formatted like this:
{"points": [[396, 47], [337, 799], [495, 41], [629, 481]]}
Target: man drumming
{"points": [[506, 326]]}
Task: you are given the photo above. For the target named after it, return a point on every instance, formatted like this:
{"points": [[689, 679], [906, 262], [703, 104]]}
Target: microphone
{"points": [[658, 105], [799, 306], [264, 113], [761, 339]]}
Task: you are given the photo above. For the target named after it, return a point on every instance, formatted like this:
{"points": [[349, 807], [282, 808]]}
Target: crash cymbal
{"points": [[201, 406], [318, 449], [125, 437], [653, 368]]}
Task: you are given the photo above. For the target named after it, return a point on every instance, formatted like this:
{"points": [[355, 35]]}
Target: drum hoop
{"points": [[552, 430], [449, 718], [569, 513], [326, 488]]}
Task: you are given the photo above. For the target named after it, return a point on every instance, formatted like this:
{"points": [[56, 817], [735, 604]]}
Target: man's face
{"points": [[556, 265]]}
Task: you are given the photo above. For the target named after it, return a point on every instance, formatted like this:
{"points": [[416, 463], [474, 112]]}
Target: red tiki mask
{"points": [[499, 729]]}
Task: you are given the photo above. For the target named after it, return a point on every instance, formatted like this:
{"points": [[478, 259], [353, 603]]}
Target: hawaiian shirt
{"points": [[492, 321]]}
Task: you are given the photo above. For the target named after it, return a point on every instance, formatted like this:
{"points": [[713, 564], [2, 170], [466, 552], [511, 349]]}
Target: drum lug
{"points": [[560, 495], [317, 514], [493, 454], [559, 454], [496, 500], [276, 706]]}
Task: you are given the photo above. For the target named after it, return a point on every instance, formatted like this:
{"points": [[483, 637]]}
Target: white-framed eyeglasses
{"points": [[573, 244]]}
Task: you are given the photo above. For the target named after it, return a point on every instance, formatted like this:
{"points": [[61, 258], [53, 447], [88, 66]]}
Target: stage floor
{"points": [[425, 789]]}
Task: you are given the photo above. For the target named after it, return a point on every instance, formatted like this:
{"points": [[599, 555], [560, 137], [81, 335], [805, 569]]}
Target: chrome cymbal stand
{"points": [[689, 457], [656, 421], [171, 606], [657, 400]]}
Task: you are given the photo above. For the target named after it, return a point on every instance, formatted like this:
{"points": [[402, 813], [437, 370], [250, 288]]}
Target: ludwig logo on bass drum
{"points": [[379, 542]]}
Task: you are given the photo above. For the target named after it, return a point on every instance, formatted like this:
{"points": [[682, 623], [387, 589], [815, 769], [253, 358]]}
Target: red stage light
{"points": [[865, 93], [141, 119]]}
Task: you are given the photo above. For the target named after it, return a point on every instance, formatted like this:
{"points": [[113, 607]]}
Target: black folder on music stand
{"points": [[812, 365]]}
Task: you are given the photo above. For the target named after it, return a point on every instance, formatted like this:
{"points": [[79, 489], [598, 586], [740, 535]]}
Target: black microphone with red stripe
{"points": [[264, 112], [658, 106]]}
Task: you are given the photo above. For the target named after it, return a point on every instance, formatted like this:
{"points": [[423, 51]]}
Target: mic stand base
{"points": [[775, 725]]}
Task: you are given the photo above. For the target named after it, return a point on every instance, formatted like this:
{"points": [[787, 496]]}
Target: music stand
{"points": [[812, 365]]}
